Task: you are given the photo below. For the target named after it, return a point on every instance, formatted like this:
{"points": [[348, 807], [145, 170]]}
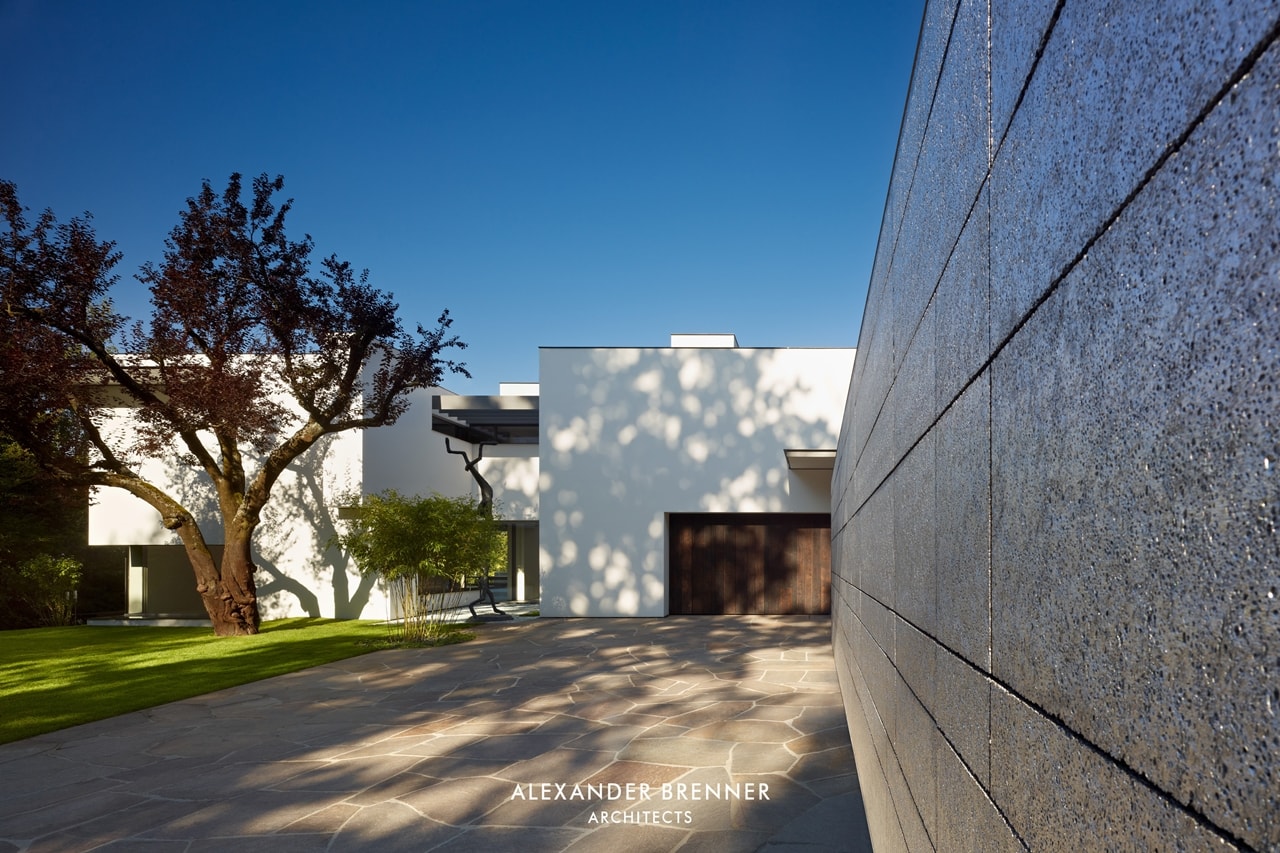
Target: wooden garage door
{"points": [[771, 563]]}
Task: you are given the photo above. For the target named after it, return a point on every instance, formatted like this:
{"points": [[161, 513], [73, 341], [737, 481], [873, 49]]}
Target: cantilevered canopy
{"points": [[810, 460], [506, 419]]}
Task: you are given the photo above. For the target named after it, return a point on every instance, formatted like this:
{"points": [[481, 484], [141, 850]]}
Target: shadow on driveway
{"points": [[697, 733]]}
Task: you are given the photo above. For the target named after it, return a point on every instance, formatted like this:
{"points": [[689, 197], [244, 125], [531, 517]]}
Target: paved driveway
{"points": [[685, 733]]}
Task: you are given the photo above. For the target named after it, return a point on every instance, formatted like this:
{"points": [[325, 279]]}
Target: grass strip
{"points": [[52, 678]]}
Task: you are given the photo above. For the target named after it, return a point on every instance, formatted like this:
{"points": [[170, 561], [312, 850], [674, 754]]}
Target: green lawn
{"points": [[51, 678]]}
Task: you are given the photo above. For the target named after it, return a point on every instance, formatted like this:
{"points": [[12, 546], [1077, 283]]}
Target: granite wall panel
{"points": [[915, 656], [914, 543], [915, 746], [1018, 29], [873, 538], [1117, 87], [876, 377], [859, 425], [947, 176], [1056, 496], [962, 304], [962, 567], [872, 780], [1161, 411], [905, 803], [1058, 793], [962, 708], [967, 817], [935, 34], [912, 399], [878, 779], [876, 461]]}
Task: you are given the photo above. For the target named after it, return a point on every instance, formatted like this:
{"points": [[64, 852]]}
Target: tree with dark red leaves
{"points": [[247, 351]]}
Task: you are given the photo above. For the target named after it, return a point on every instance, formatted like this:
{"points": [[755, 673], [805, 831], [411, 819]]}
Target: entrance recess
{"points": [[762, 563]]}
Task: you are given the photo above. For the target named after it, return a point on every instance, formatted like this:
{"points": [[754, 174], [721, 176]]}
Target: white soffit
{"points": [[810, 460]]}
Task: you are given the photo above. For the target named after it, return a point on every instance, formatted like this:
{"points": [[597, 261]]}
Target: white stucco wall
{"points": [[410, 458], [299, 573], [512, 470], [631, 434]]}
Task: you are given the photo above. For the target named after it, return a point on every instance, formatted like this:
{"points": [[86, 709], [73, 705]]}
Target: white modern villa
{"points": [[634, 481]]}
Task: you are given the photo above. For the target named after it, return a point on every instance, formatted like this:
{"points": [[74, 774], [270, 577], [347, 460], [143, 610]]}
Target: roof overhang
{"points": [[810, 460], [506, 419]]}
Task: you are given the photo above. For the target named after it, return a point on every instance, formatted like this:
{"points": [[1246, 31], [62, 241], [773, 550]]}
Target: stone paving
{"points": [[686, 733]]}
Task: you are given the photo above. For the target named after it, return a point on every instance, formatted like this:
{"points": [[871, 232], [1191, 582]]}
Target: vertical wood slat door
{"points": [[741, 563]]}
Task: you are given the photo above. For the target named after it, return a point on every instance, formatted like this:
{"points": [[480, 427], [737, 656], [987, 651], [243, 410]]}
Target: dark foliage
{"points": [[246, 345], [44, 516]]}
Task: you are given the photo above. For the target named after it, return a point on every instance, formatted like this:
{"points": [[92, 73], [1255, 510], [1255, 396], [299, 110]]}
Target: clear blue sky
{"points": [[555, 172]]}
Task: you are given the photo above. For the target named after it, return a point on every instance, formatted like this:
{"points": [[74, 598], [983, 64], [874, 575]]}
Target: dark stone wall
{"points": [[1056, 571]]}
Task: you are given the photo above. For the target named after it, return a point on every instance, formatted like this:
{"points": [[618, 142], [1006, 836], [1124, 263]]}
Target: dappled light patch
{"points": [[670, 430]]}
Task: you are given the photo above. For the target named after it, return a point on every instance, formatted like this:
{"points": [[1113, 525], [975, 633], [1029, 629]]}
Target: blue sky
{"points": [[556, 173]]}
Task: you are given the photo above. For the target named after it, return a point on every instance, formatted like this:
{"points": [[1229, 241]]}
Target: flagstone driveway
{"points": [[686, 733]]}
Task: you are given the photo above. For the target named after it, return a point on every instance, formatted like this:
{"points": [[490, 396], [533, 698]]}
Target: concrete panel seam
{"points": [[1031, 72], [950, 743], [1190, 811], [1138, 778], [990, 795], [893, 249], [955, 748], [885, 210], [910, 794], [991, 121], [1242, 70], [875, 755], [915, 166], [991, 524]]}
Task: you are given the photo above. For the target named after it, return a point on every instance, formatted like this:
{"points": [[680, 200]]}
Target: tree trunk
{"points": [[228, 591], [238, 601]]}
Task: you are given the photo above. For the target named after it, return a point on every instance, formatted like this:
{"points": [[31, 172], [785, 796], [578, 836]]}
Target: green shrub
{"points": [[48, 587], [424, 548]]}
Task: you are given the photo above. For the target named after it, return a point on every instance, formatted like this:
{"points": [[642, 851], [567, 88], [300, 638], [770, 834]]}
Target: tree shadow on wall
{"points": [[299, 521], [666, 431]]}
